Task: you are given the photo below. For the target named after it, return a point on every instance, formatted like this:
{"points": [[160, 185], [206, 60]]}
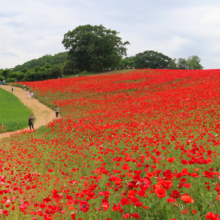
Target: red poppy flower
{"points": [[127, 215], [84, 206], [105, 204], [135, 215], [160, 192], [212, 216], [124, 201], [187, 199]]}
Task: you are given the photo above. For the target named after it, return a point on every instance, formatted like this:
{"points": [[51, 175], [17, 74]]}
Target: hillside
{"points": [[51, 59], [138, 145]]}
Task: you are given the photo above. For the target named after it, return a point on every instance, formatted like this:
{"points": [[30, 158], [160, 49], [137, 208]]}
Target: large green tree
{"points": [[193, 63], [70, 66], [151, 59], [94, 47], [127, 62], [182, 64], [172, 64]]}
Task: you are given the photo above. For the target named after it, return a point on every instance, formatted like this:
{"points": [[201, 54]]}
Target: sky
{"points": [[30, 29]]}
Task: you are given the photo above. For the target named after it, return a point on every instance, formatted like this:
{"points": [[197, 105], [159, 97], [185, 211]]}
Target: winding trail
{"points": [[42, 113]]}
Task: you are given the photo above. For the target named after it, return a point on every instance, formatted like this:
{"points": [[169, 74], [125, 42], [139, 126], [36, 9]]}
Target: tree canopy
{"points": [[51, 59], [151, 59], [94, 47], [127, 62], [192, 63]]}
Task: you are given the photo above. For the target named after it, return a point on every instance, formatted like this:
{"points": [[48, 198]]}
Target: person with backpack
{"points": [[31, 121]]}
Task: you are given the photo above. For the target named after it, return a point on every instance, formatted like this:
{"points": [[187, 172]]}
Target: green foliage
{"points": [[2, 77], [70, 66], [55, 59], [193, 63], [9, 80], [55, 72], [94, 47], [127, 63], [46, 67], [84, 73], [14, 115], [182, 63], [172, 64], [5, 72], [151, 59]]}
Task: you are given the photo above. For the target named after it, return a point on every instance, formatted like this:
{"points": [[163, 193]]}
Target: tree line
{"points": [[93, 49]]}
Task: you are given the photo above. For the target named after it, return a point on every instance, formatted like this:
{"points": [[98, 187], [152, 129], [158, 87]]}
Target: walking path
{"points": [[42, 113]]}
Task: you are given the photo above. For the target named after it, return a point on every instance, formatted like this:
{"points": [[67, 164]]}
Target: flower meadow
{"points": [[137, 145]]}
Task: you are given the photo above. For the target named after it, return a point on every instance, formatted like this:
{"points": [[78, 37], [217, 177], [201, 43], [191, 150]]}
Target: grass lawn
{"points": [[13, 114]]}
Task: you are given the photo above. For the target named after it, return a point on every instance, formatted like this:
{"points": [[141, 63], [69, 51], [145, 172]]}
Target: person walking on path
{"points": [[12, 88], [27, 93], [57, 111], [32, 95], [24, 88], [31, 121]]}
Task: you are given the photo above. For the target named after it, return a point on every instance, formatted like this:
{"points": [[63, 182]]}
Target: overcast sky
{"points": [[30, 29]]}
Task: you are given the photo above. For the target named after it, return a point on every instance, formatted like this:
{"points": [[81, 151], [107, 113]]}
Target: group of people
{"points": [[2, 82], [31, 118], [28, 93]]}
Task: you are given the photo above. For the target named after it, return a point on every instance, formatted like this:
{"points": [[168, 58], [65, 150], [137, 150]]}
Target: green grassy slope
{"points": [[13, 114]]}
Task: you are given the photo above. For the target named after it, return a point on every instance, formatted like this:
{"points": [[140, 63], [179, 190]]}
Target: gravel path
{"points": [[42, 113]]}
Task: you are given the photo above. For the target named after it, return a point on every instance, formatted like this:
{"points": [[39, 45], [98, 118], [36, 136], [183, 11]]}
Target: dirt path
{"points": [[42, 113]]}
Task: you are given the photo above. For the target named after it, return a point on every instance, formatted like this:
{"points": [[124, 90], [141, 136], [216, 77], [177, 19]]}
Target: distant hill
{"points": [[55, 59]]}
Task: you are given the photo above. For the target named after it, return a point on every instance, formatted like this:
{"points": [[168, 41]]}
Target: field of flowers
{"points": [[139, 145]]}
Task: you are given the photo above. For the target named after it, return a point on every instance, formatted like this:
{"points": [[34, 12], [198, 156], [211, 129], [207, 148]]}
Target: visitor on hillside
{"points": [[32, 95], [109, 69], [57, 111], [24, 88], [31, 121], [27, 93], [12, 88]]}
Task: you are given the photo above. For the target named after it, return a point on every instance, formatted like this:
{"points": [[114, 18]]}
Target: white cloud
{"points": [[30, 29]]}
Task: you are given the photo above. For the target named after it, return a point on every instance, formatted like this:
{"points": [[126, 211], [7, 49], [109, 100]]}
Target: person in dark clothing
{"points": [[57, 111], [31, 121]]}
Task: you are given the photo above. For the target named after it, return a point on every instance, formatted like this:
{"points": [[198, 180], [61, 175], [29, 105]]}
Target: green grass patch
{"points": [[13, 114]]}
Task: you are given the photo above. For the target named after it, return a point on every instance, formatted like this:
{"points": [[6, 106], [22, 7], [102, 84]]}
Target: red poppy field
{"points": [[137, 145]]}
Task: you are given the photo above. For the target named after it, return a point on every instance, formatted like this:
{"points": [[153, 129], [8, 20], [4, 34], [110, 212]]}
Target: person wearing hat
{"points": [[31, 121]]}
